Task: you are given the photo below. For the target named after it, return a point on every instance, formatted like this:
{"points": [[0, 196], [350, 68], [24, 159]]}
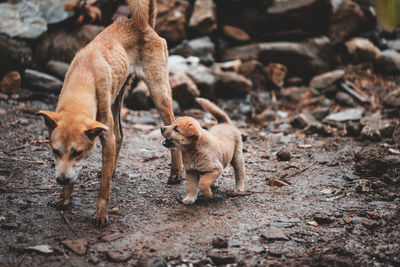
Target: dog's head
{"points": [[72, 139], [182, 134]]}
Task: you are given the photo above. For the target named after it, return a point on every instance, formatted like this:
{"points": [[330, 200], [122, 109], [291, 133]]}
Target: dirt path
{"points": [[318, 219]]}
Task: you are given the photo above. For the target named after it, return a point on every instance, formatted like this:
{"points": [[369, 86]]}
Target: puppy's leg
{"points": [[207, 180], [156, 78], [238, 166], [109, 154], [192, 179], [116, 111], [64, 200]]}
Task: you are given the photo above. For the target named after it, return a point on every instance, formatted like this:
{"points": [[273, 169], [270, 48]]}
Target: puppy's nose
{"points": [[63, 180], [162, 130]]}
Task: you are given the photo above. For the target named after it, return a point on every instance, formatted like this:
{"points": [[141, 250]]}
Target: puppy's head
{"points": [[182, 134], [72, 139]]}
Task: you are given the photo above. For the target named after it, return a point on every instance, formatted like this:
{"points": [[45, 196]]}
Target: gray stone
{"points": [[231, 83], [78, 246], [41, 81], [283, 155], [57, 68], [304, 59], [44, 249], [15, 55], [139, 98], [221, 256], [184, 90], [236, 34], [353, 114], [363, 186], [274, 233], [361, 50], [393, 98], [202, 48], [370, 127], [171, 20], [327, 82], [204, 17], [344, 99], [387, 62], [118, 256]]}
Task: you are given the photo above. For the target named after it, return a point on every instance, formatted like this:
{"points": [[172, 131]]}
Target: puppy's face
{"points": [[71, 140], [182, 134]]}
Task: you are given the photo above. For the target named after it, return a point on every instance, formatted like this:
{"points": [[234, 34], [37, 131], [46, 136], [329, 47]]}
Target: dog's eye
{"points": [[57, 153], [76, 153], [176, 129]]}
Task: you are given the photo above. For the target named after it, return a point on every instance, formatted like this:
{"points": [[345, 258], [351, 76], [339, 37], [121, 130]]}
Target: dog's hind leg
{"points": [[207, 180], [238, 166], [156, 78]]}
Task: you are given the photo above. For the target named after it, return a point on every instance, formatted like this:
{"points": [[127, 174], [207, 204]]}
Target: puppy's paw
{"points": [[101, 216], [175, 179], [239, 189], [61, 204], [189, 200]]}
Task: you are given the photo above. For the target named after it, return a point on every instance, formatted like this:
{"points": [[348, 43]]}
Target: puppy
{"points": [[90, 102], [206, 153]]}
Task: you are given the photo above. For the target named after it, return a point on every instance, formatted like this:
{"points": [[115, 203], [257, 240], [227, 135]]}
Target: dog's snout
{"points": [[162, 130], [63, 180]]}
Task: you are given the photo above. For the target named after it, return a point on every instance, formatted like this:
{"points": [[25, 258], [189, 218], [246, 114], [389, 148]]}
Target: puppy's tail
{"points": [[214, 110], [143, 12]]}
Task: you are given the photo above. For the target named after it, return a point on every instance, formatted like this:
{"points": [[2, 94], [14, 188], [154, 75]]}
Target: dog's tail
{"points": [[143, 12], [214, 110]]}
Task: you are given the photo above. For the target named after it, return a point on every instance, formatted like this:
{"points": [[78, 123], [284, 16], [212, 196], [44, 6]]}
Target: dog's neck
{"points": [[78, 96]]}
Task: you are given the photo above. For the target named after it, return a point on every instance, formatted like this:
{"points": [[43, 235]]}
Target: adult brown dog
{"points": [[206, 153], [90, 101]]}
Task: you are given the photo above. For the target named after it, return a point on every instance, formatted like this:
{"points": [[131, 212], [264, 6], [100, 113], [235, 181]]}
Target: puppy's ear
{"points": [[50, 119], [192, 132], [94, 129]]}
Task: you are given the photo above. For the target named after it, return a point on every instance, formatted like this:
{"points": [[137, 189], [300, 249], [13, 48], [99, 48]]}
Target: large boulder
{"points": [[184, 90], [387, 62], [29, 18], [171, 20], [204, 17], [14, 55], [63, 44], [304, 59], [201, 47], [361, 50], [276, 20], [231, 84]]}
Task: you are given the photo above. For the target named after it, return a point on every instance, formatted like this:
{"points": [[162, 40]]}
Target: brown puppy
{"points": [[206, 153], [90, 101]]}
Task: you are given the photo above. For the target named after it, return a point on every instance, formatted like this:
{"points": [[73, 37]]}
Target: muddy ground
{"points": [[318, 219]]}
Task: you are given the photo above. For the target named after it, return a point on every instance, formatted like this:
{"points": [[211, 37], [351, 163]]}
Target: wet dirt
{"points": [[317, 219]]}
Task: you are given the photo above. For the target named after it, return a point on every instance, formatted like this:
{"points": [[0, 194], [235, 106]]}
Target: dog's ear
{"points": [[50, 119], [94, 129], [192, 132]]}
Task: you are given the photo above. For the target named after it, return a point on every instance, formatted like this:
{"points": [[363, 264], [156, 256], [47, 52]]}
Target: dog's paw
{"points": [[175, 179], [239, 190], [188, 200], [101, 216], [61, 204]]}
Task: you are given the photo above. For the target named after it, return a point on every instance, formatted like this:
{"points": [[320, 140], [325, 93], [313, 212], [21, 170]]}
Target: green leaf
{"points": [[387, 13]]}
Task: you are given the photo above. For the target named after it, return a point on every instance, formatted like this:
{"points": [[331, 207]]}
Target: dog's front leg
{"points": [[64, 200], [109, 152]]}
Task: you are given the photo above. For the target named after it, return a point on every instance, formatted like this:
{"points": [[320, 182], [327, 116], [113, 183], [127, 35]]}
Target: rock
{"points": [[78, 246], [387, 128], [387, 62], [41, 81], [232, 84], [267, 115], [10, 83], [323, 218], [202, 48], [277, 182], [45, 249], [304, 59], [221, 257], [273, 233], [235, 34], [155, 262], [375, 162], [184, 90], [327, 82], [219, 242], [94, 259], [139, 98], [256, 72], [233, 65], [118, 256], [393, 98], [204, 18], [283, 155], [15, 55], [9, 226], [363, 186], [345, 20], [361, 50], [320, 113], [57, 68], [276, 73], [344, 99], [305, 120], [63, 43], [171, 20], [353, 114], [370, 127]]}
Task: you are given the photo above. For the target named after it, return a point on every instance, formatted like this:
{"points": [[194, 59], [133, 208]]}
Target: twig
{"points": [[286, 175], [21, 260], [66, 220], [9, 178], [15, 149], [26, 160]]}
